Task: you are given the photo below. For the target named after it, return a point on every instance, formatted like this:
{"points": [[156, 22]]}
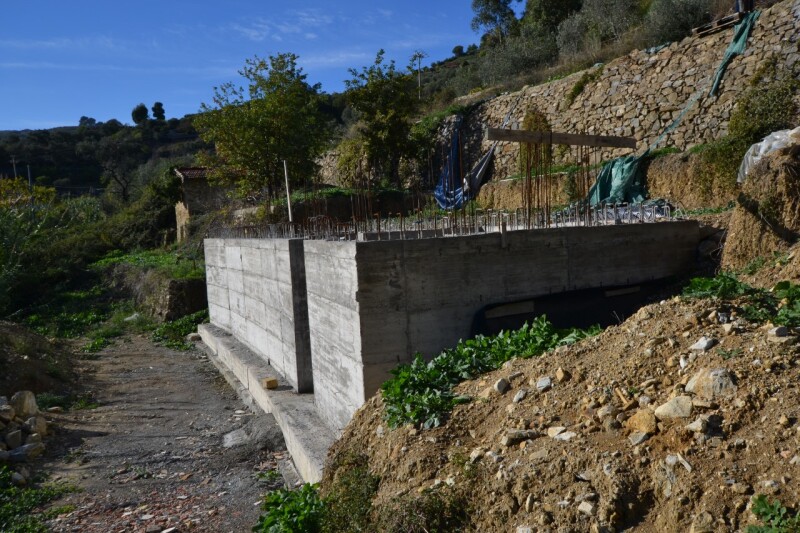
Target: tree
{"points": [[546, 15], [158, 111], [276, 118], [139, 114], [87, 121], [458, 50], [119, 155], [496, 16], [384, 99]]}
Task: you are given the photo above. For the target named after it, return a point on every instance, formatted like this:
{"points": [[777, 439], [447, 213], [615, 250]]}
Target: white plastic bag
{"points": [[773, 141]]}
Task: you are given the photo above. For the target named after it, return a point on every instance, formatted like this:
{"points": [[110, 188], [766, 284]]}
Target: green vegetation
{"points": [[433, 510], [422, 392], [348, 502], [278, 117], [775, 517], [18, 506], [781, 305], [173, 334], [291, 511], [590, 76], [173, 263], [705, 210]]}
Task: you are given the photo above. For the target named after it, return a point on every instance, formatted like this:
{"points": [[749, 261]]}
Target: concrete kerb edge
{"points": [[307, 437]]}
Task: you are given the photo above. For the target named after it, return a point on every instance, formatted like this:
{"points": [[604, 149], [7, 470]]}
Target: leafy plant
{"points": [[775, 517], [422, 392], [723, 286], [18, 506], [173, 334], [291, 511]]}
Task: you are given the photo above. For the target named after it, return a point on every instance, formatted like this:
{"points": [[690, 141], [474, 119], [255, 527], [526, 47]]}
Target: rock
{"points": [[562, 375], [742, 488], [703, 344], [487, 393], [644, 421], [194, 337], [7, 413], [608, 410], [712, 384], [778, 332], [13, 439], [784, 421], [237, 437], [495, 457], [476, 455], [703, 523], [56, 409], [520, 395], [18, 479], [586, 508], [678, 407], [638, 437], [555, 431], [529, 501], [3, 456], [515, 436], [698, 426], [566, 436], [33, 438], [26, 453], [501, 385], [728, 328], [544, 384], [37, 424], [24, 403]]}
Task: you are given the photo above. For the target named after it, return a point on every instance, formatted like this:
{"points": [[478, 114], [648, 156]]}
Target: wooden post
{"points": [[288, 194]]}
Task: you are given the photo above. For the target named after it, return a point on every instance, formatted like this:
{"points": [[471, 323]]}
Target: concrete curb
{"points": [[307, 437]]}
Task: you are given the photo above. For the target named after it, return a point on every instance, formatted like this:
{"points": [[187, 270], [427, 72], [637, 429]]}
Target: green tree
{"points": [[278, 117], [158, 111], [547, 14], [384, 99], [139, 114], [495, 16], [458, 50]]}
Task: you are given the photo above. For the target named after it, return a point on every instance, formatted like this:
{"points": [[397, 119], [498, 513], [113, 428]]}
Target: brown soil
{"points": [[151, 456], [766, 220], [629, 487], [676, 178], [29, 361]]}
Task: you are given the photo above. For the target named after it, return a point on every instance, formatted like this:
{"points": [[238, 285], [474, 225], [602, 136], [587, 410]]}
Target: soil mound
{"points": [[28, 361], [766, 221], [679, 179], [670, 421]]}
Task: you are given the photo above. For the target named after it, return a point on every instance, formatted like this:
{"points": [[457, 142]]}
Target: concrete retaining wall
{"points": [[256, 291], [372, 305]]}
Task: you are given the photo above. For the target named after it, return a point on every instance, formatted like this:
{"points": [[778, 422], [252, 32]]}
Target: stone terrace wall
{"points": [[639, 95]]}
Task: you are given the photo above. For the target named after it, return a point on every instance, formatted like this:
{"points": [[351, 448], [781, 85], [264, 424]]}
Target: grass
{"points": [[173, 334], [19, 506], [780, 305], [172, 263], [421, 393]]}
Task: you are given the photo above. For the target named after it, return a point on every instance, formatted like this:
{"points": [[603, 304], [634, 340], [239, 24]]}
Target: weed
{"points": [[84, 401], [729, 354], [46, 400], [173, 334], [433, 510], [775, 517], [291, 511], [754, 266], [18, 505], [348, 502], [421, 392], [590, 76]]}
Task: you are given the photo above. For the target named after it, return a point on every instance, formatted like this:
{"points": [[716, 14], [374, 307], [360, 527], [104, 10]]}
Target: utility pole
{"points": [[288, 193], [418, 55]]}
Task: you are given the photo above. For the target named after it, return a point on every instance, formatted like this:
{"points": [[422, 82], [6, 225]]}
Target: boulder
{"points": [[24, 403], [678, 407], [644, 421], [712, 384]]}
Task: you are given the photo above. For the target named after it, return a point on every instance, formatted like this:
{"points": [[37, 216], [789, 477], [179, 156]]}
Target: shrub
{"points": [[763, 109], [291, 511], [672, 20]]}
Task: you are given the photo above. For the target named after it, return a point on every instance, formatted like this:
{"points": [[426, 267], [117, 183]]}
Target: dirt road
{"points": [[170, 446]]}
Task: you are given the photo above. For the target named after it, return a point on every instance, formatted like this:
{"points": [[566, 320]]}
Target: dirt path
{"points": [[156, 454]]}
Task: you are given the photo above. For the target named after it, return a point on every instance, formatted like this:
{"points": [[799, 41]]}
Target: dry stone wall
{"points": [[640, 95]]}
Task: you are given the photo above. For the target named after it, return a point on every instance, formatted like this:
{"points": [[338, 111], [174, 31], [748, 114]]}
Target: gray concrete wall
{"points": [[372, 305], [256, 291]]}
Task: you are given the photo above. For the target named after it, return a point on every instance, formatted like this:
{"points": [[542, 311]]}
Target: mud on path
{"points": [[170, 446]]}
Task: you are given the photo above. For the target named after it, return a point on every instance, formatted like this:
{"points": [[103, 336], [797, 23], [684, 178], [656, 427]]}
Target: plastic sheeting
{"points": [[619, 181], [738, 44], [773, 141]]}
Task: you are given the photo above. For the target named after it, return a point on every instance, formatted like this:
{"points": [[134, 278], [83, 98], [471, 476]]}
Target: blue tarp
{"points": [[449, 192]]}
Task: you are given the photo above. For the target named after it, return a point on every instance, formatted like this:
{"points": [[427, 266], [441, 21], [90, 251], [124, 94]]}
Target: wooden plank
{"points": [[718, 24], [543, 137]]}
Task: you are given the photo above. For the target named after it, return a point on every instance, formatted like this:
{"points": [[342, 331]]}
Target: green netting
{"points": [[619, 180]]}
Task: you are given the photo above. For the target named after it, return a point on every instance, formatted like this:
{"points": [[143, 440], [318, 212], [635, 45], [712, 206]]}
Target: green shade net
{"points": [[619, 181], [740, 34]]}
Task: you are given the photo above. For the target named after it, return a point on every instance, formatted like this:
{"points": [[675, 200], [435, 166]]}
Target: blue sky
{"points": [[60, 60]]}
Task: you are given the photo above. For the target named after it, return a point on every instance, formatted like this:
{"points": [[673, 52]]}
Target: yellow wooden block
{"points": [[269, 383]]}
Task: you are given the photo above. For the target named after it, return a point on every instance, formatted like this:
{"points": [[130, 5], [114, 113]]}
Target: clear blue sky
{"points": [[61, 59]]}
